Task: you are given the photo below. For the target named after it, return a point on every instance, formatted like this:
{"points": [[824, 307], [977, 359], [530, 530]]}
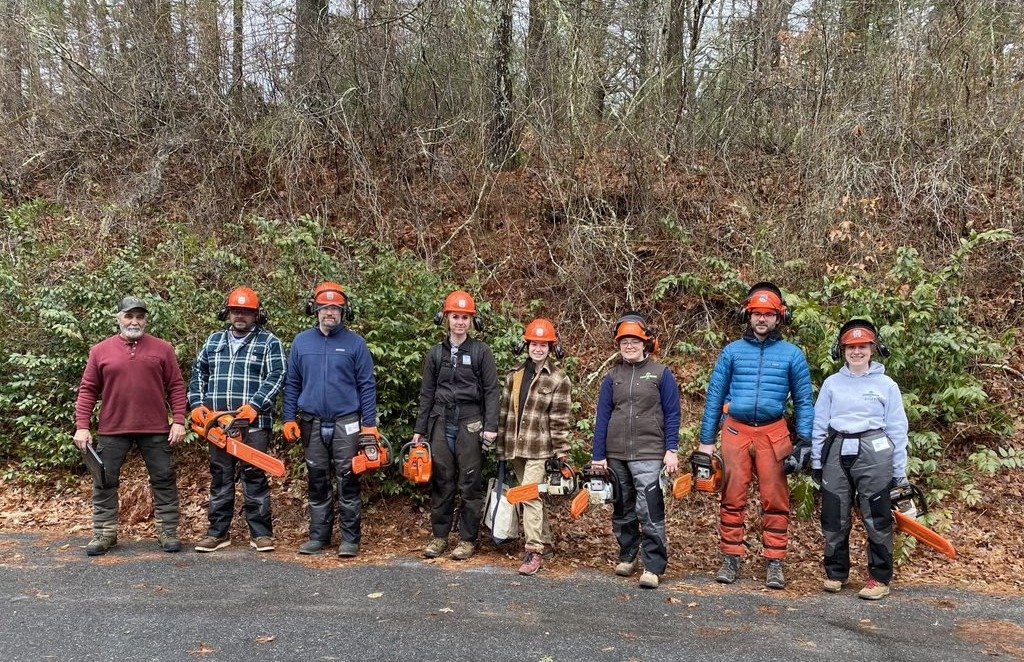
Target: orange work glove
{"points": [[292, 432], [248, 413], [370, 432], [198, 418]]}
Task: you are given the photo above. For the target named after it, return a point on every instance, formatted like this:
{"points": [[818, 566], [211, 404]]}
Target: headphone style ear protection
{"points": [[743, 316], [836, 352], [478, 323], [556, 347], [347, 314], [651, 344]]}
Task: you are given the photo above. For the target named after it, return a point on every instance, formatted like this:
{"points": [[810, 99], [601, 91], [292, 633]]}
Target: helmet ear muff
{"points": [[836, 352], [651, 344], [347, 313], [743, 315], [478, 323]]}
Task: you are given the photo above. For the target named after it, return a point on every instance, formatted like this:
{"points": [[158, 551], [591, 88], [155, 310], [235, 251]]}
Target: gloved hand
{"points": [[487, 440], [200, 415], [816, 477], [370, 432], [247, 413], [292, 432], [800, 459]]}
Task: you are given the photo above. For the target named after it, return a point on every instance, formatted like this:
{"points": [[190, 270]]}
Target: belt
{"points": [[755, 425], [866, 435]]}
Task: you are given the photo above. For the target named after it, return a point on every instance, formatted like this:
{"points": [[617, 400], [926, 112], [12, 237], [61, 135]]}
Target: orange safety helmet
{"points": [[242, 297], [632, 325], [245, 299], [329, 293], [540, 330], [459, 302], [764, 296]]}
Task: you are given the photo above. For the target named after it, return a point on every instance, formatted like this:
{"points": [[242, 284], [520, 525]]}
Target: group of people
{"points": [[853, 439]]}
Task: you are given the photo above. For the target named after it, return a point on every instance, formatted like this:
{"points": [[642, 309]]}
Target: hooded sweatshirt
{"points": [[857, 403]]}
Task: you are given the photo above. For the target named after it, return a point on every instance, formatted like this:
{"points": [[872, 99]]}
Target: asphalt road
{"points": [[137, 603]]}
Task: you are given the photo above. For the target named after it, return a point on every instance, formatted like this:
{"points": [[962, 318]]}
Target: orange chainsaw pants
{"points": [[748, 450]]}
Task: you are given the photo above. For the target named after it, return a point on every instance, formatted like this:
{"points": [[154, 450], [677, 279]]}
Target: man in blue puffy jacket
{"points": [[752, 380]]}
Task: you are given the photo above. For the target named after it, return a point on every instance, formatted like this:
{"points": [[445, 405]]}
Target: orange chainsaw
{"points": [[562, 480], [372, 452], [224, 431], [707, 471], [599, 485], [416, 462], [907, 501]]}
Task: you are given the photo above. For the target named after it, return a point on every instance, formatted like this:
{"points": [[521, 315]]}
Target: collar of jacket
{"points": [[543, 367], [749, 336], [639, 364]]}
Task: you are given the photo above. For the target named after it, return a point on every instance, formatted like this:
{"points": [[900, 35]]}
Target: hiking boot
{"points": [[169, 542], [833, 585], [100, 545], [213, 543], [549, 552], [347, 550], [463, 550], [873, 590], [262, 544], [312, 547], [649, 580], [626, 568], [435, 548], [531, 564], [730, 568], [773, 574]]}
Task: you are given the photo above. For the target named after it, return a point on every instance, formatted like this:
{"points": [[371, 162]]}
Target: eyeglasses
{"points": [[631, 342], [764, 315]]}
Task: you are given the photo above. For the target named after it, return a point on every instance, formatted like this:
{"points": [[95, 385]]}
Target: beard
{"points": [[132, 333]]}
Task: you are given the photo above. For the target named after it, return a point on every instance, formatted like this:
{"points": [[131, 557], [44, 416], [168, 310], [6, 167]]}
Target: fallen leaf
{"points": [[672, 601], [374, 596], [445, 610], [265, 638], [203, 649], [691, 604]]}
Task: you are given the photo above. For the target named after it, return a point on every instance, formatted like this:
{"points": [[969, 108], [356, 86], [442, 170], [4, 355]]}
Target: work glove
{"points": [[200, 415], [487, 441], [898, 481], [369, 432], [800, 459], [816, 477], [247, 413], [292, 432]]}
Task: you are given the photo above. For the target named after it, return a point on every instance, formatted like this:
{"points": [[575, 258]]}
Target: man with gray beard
{"points": [[139, 381]]}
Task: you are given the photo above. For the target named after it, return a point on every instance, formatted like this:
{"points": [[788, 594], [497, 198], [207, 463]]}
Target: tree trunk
{"points": [[237, 44], [311, 27], [13, 54], [502, 138], [208, 36]]}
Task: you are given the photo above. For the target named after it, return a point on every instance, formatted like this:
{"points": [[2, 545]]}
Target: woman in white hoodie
{"points": [[859, 451]]}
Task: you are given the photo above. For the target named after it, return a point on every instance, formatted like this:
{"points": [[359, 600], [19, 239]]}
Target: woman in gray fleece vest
{"points": [[859, 451]]}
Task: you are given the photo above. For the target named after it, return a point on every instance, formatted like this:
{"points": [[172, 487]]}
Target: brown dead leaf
{"points": [[672, 601], [265, 638], [204, 649]]}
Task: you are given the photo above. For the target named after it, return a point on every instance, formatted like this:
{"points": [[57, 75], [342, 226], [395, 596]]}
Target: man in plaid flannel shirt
{"points": [[241, 367]]}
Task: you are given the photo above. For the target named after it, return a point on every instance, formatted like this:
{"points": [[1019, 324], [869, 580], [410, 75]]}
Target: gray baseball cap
{"points": [[131, 303]]}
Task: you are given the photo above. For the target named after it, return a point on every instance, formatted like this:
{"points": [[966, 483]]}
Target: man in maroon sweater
{"points": [[138, 379]]}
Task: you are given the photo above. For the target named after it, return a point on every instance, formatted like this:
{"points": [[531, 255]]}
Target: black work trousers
{"points": [[329, 460], [156, 452], [255, 489], [457, 460]]}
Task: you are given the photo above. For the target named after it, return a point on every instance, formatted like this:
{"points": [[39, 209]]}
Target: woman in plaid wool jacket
{"points": [[533, 427]]}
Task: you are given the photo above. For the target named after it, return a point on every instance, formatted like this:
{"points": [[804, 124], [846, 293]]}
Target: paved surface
{"points": [[137, 603]]}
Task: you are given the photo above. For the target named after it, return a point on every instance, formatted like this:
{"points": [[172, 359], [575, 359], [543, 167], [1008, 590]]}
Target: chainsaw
{"points": [[598, 485], [416, 462], [707, 471], [372, 453], [905, 500], [224, 431], [562, 480]]}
